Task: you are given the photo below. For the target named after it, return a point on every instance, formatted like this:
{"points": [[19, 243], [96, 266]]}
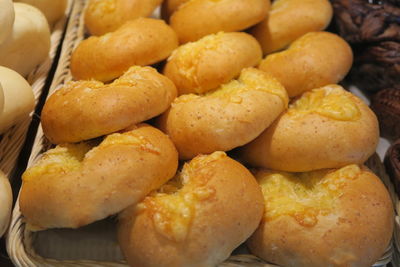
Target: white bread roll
{"points": [[18, 98], [6, 19], [6, 203], [29, 43], [52, 9], [1, 99]]}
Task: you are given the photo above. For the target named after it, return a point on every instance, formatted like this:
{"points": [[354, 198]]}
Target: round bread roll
{"points": [[289, 20], [226, 118], [314, 60], [143, 41], [170, 6], [103, 16], [87, 109], [76, 184], [213, 60], [1, 99], [327, 127], [214, 16], [7, 16], [29, 43], [209, 209], [19, 100], [336, 217], [6, 201], [52, 9]]}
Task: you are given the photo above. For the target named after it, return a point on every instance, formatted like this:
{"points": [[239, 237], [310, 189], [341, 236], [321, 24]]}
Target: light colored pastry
{"points": [[327, 127], [29, 43], [143, 41], [87, 109], [288, 20], [336, 217], [76, 184], [19, 100], [314, 60], [211, 61], [198, 219], [52, 9], [228, 117], [7, 16], [6, 201], [198, 18], [170, 6], [103, 16]]}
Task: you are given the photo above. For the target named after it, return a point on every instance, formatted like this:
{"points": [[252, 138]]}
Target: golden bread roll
{"points": [[289, 20], [327, 127], [7, 16], [143, 41], [228, 117], [314, 60], [198, 18], [336, 217], [198, 219], [29, 43], [52, 9], [76, 184], [213, 60], [170, 6], [103, 16], [87, 109], [6, 201], [19, 100]]}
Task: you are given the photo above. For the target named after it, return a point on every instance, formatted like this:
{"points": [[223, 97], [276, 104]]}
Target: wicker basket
{"points": [[12, 140], [96, 244]]}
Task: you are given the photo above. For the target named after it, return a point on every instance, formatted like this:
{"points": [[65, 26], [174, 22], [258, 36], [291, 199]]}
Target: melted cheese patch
{"points": [[62, 159], [304, 196], [173, 207], [330, 101]]}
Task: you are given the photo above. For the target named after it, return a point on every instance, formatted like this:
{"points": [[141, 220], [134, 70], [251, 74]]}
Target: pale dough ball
{"points": [[52, 9], [6, 19]]}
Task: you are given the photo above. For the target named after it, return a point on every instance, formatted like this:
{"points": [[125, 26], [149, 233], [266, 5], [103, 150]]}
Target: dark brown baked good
{"points": [[392, 164], [386, 105], [360, 21], [377, 66]]}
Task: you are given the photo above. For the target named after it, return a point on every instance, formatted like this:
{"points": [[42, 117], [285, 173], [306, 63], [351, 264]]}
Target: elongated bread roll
{"points": [[7, 16]]}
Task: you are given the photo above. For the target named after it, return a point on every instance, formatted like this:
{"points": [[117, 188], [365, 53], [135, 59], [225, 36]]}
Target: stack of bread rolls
{"points": [[307, 200]]}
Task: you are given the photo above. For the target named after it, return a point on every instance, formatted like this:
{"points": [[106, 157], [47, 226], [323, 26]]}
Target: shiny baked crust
{"points": [[335, 217], [211, 61], [288, 20], [314, 60], [143, 41], [103, 16], [227, 15], [225, 118], [87, 109], [210, 208], [327, 127], [76, 184]]}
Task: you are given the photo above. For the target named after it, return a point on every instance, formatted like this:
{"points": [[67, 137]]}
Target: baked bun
{"points": [[215, 16], [228, 117], [336, 217], [103, 16], [327, 127], [29, 43], [170, 6], [6, 201], [143, 41], [314, 60], [7, 16], [289, 20], [213, 60], [19, 100], [87, 109], [76, 184], [198, 219], [54, 10]]}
